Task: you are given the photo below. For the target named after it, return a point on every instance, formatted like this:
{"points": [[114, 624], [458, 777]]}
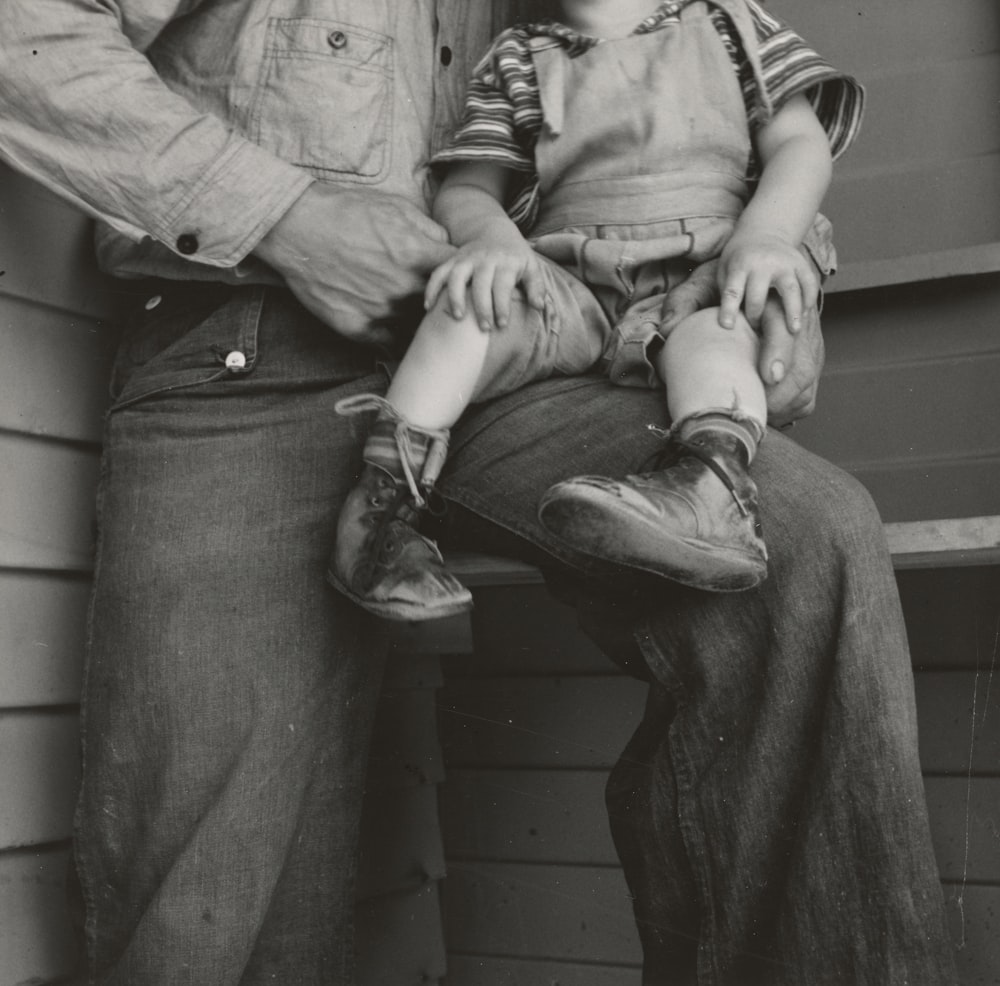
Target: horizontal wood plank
{"points": [[522, 629], [47, 503], [580, 722], [957, 541], [955, 95], [972, 918], [952, 616], [529, 816], [911, 491], [36, 940], [469, 970], [42, 634], [872, 38], [881, 416], [958, 716], [556, 912], [55, 371], [954, 262], [965, 825], [903, 325], [46, 250], [888, 214], [39, 775]]}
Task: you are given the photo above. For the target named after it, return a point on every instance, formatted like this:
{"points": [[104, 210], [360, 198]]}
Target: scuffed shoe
{"points": [[383, 563], [696, 521]]}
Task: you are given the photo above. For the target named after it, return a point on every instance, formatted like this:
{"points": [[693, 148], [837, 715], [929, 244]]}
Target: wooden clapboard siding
{"points": [[42, 633], [36, 939], [917, 196], [568, 913], [492, 971], [525, 832], [57, 343], [909, 401]]}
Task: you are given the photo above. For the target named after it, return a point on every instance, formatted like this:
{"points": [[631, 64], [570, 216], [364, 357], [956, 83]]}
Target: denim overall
{"points": [[642, 163]]}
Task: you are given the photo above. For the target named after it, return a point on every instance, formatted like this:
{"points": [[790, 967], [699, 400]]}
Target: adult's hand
{"points": [[354, 257], [790, 363], [700, 289]]}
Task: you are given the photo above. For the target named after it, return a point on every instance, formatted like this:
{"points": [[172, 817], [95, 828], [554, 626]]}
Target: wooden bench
{"points": [[913, 544]]}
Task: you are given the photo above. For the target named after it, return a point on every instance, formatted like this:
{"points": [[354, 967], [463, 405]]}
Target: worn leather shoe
{"points": [[696, 521], [383, 563]]}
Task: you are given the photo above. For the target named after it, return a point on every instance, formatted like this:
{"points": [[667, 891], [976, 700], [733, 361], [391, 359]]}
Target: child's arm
{"points": [[493, 257], [763, 252]]}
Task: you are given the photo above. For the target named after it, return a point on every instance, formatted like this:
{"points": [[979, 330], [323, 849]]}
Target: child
{"points": [[599, 159]]}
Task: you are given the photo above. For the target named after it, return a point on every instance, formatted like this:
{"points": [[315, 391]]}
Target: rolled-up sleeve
{"points": [[83, 112]]}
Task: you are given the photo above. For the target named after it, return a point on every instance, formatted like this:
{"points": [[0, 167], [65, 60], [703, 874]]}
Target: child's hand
{"points": [[486, 272], [751, 267]]}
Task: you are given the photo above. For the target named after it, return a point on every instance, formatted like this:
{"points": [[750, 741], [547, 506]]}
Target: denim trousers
{"points": [[768, 811]]}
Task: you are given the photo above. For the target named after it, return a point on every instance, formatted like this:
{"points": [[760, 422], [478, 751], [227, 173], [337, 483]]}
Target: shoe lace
{"points": [[422, 490], [675, 447]]}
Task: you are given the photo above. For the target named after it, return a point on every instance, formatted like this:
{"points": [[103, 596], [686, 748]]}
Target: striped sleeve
{"points": [[502, 120], [789, 67]]}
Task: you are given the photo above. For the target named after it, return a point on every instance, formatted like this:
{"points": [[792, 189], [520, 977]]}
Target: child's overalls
{"points": [[642, 163]]}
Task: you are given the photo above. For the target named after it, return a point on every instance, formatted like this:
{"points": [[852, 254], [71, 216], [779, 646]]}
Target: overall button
{"points": [[187, 243], [153, 302], [446, 55], [236, 360], [337, 40]]}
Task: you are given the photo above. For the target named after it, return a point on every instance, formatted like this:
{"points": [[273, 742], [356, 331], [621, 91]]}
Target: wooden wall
{"points": [[56, 353], [917, 197], [531, 724]]}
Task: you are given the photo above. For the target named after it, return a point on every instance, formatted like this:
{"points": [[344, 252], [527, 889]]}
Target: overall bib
{"points": [[642, 161]]}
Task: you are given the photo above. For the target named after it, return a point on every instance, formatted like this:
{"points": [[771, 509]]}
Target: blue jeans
{"points": [[768, 811]]}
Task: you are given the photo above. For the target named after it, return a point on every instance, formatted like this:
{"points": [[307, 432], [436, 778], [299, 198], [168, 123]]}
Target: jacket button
{"points": [[187, 243], [337, 40], [153, 302], [236, 360]]}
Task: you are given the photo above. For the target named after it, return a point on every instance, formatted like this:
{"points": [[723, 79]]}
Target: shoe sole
{"points": [[679, 556], [400, 610]]}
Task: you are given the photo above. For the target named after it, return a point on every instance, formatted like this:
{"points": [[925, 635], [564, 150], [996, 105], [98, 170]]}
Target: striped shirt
{"points": [[503, 113]]}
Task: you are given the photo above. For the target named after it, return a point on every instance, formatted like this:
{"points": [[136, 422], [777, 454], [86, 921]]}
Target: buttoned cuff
{"points": [[232, 206]]}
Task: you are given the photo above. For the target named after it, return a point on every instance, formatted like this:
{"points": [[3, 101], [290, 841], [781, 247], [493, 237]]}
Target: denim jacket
{"points": [[189, 127]]}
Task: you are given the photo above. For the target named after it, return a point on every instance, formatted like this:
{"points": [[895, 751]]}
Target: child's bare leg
{"points": [[381, 561], [712, 371], [693, 516], [436, 380]]}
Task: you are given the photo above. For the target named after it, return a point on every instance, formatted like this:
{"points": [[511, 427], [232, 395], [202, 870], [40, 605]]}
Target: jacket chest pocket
{"points": [[324, 99]]}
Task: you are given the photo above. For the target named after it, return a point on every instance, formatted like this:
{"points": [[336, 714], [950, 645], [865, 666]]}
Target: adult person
{"points": [[768, 810]]}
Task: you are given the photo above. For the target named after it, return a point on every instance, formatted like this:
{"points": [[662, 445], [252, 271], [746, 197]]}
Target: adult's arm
{"points": [[83, 111]]}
